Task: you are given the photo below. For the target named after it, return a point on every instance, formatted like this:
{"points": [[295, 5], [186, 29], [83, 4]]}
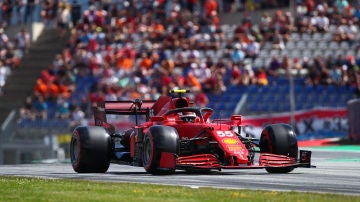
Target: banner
{"points": [[316, 123]]}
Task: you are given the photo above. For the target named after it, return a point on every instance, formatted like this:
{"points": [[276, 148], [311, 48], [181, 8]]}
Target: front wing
{"points": [[266, 160]]}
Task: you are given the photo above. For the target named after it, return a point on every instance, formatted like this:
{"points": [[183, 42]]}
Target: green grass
{"points": [[36, 189]]}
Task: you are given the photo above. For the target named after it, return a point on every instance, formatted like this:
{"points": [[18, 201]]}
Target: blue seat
{"points": [[324, 99], [299, 89], [269, 98], [253, 98], [285, 107], [274, 89], [231, 105], [319, 88], [282, 81], [264, 108], [226, 97], [221, 106], [276, 107], [330, 89], [252, 89], [252, 107], [285, 88], [301, 98]]}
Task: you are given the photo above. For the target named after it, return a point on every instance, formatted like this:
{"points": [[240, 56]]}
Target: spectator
{"points": [[274, 66], [76, 12], [63, 18], [78, 118], [63, 111], [252, 49], [341, 4], [285, 67], [27, 110], [248, 76], [277, 41], [350, 33], [40, 108], [22, 41], [11, 59], [47, 12], [237, 54], [4, 40], [335, 74], [321, 22], [302, 23], [235, 75], [20, 9], [356, 14], [322, 6], [264, 24], [201, 99], [261, 77], [4, 73], [29, 9], [193, 82], [210, 6], [6, 12], [298, 68], [310, 6]]}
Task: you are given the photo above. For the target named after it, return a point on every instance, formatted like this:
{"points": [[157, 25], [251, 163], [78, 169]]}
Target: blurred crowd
{"points": [[142, 49], [12, 49]]}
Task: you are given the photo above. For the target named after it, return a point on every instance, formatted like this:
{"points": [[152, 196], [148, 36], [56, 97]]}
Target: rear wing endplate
{"points": [[136, 107]]}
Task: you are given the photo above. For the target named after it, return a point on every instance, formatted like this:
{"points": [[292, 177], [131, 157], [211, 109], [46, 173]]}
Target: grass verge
{"points": [[38, 189]]}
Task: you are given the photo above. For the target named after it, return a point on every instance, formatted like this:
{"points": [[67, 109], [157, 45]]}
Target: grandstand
{"points": [[99, 67]]}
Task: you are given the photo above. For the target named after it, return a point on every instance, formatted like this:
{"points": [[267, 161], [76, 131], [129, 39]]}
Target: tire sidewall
{"points": [[159, 139], [279, 139], [93, 147], [149, 158], [75, 161]]}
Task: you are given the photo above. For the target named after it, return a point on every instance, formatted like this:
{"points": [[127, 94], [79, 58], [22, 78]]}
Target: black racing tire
{"points": [[159, 139], [90, 149], [279, 139]]}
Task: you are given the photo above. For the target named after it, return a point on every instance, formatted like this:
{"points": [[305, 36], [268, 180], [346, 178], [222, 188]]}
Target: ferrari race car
{"points": [[172, 134]]}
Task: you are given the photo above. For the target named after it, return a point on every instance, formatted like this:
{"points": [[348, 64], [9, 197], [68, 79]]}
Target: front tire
{"points": [[279, 139], [90, 150], [158, 141]]}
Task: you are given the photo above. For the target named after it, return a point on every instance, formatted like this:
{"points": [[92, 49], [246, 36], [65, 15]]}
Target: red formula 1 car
{"points": [[171, 134]]}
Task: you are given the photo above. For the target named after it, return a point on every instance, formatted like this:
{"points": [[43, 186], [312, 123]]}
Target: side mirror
{"points": [[236, 119]]}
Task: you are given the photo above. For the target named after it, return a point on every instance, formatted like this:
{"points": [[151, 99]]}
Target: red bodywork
{"points": [[217, 142]]}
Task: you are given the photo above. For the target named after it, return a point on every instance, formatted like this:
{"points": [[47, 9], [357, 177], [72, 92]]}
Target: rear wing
{"points": [[136, 107], [128, 107]]}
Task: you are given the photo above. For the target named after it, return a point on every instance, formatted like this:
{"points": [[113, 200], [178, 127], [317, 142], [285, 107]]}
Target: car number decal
{"points": [[227, 133]]}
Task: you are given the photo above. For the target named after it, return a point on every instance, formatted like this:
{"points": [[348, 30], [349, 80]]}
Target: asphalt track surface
{"points": [[336, 172]]}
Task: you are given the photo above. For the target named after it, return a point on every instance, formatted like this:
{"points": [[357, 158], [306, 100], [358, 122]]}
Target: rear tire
{"points": [[90, 149], [157, 140], [279, 139]]}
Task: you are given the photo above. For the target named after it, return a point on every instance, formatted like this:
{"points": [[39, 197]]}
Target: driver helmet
{"points": [[187, 117]]}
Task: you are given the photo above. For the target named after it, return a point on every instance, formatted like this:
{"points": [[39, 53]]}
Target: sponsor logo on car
{"points": [[230, 141]]}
